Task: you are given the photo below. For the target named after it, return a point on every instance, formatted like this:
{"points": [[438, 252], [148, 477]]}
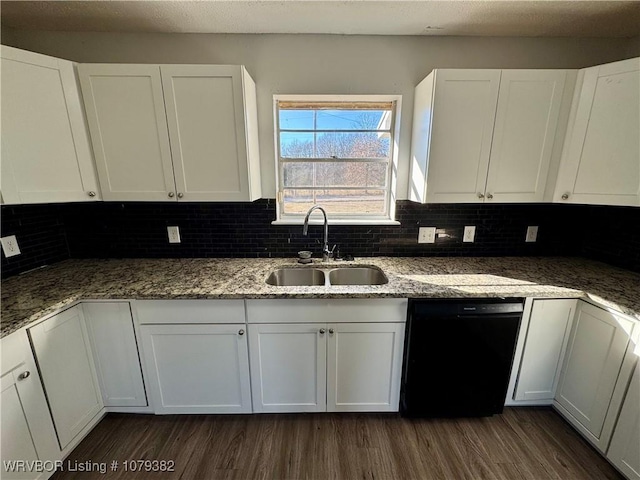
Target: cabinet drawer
{"points": [[352, 310], [189, 311]]}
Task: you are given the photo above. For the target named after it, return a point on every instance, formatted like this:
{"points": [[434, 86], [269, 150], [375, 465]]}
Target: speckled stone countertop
{"points": [[29, 297]]}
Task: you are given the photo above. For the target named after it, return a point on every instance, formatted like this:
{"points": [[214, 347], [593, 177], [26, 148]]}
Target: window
{"points": [[337, 152]]}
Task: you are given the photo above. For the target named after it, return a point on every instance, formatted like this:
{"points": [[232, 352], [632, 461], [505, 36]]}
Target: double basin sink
{"points": [[308, 276]]}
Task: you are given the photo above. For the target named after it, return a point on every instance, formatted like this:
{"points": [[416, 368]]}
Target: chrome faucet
{"points": [[326, 253]]}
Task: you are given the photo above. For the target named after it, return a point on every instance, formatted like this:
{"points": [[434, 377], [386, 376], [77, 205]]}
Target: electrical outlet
{"points": [[469, 234], [10, 246], [532, 234], [427, 235], [174, 234]]}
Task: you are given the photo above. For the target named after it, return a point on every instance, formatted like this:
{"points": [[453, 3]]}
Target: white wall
{"points": [[327, 64]]}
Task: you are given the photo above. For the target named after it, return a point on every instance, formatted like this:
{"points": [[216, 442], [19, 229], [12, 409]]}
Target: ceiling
{"points": [[354, 17]]}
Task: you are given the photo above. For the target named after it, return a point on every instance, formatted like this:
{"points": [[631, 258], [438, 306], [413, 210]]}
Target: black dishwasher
{"points": [[458, 356]]}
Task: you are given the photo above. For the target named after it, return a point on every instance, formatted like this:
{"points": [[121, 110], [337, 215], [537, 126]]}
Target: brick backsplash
{"points": [[40, 233], [49, 233]]}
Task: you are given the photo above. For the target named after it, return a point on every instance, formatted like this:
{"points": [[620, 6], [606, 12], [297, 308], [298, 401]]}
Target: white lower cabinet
{"points": [[546, 331], [115, 352], [364, 365], [624, 450], [27, 430], [197, 368], [288, 367], [316, 367], [63, 353], [595, 372]]}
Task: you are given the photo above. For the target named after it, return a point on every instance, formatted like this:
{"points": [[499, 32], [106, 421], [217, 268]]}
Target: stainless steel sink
{"points": [[357, 276], [296, 277]]}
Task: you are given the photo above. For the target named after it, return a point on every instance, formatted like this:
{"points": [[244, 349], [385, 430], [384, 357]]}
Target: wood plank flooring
{"points": [[522, 443]]}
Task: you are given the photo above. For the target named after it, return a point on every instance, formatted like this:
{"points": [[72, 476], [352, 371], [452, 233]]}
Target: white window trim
{"points": [[393, 174]]}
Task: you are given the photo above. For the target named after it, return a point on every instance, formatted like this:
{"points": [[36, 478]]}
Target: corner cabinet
{"points": [[115, 353], [596, 372], [486, 135], [542, 342], [65, 362], [46, 155], [601, 157], [173, 132]]}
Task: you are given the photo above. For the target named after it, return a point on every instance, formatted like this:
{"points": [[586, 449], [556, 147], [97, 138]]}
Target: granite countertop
{"points": [[31, 296]]}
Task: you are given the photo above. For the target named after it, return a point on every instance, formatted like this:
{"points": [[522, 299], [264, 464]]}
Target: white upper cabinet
{"points": [[524, 133], [46, 155], [484, 135], [214, 156], [454, 112], [173, 132], [601, 156], [128, 124]]}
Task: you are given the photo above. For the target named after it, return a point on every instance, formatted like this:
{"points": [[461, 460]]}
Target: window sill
{"points": [[338, 221]]}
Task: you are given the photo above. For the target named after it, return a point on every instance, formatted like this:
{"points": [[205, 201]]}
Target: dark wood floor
{"points": [[532, 443]]}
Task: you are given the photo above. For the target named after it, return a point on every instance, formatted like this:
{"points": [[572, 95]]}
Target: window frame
{"points": [[391, 176]]}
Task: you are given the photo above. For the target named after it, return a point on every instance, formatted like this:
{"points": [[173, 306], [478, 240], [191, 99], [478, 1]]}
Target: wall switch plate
{"points": [[469, 234], [10, 246], [532, 234], [174, 234], [427, 235]]}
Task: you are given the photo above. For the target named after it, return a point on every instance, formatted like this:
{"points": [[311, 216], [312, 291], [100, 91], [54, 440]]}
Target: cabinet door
{"points": [[288, 367], [525, 127], [115, 352], [624, 451], [46, 155], [206, 117], [128, 125], [593, 361], [364, 367], [547, 335], [197, 368], [464, 109], [601, 157], [16, 441], [64, 358]]}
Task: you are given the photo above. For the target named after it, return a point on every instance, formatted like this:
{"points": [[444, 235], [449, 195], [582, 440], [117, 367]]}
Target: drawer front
{"points": [[352, 310], [189, 311]]}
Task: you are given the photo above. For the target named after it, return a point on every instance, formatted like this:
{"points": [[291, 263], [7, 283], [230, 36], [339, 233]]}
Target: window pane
{"points": [[340, 145], [350, 120], [296, 119], [334, 174], [336, 202], [335, 119]]}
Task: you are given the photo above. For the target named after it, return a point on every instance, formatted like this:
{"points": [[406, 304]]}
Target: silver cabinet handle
{"points": [[241, 332], [91, 194], [180, 195], [322, 331], [331, 331], [565, 196], [24, 375], [489, 196], [480, 195], [171, 194]]}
